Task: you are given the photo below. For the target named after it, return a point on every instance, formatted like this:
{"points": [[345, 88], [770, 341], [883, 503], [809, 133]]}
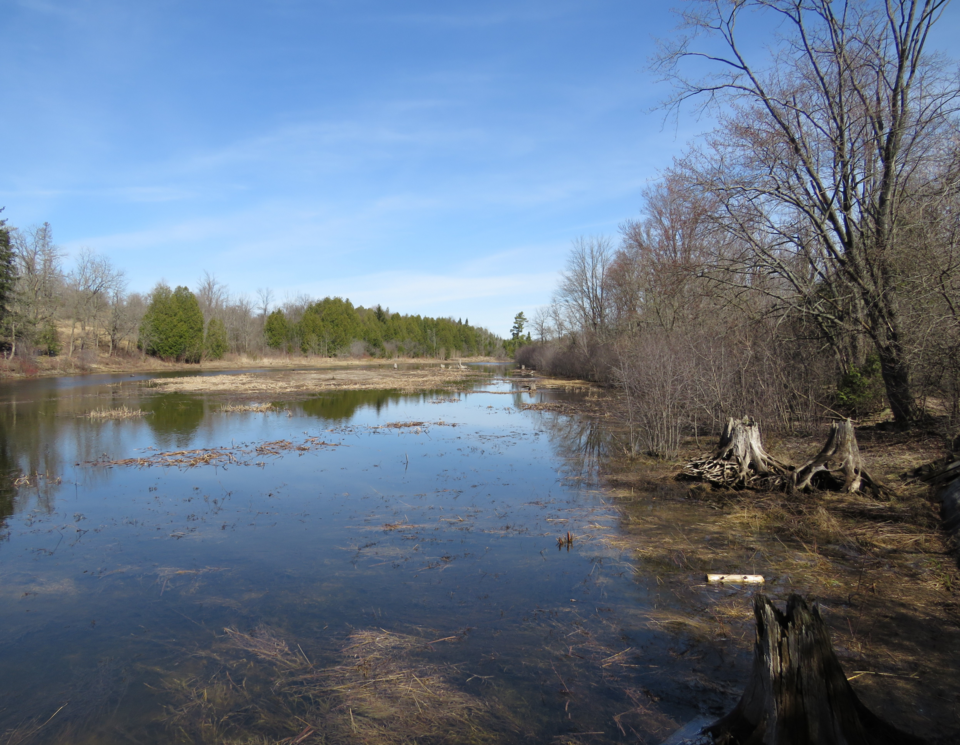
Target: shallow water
{"points": [[117, 582]]}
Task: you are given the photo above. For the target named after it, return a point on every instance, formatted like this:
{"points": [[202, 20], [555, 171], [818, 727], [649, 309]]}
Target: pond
{"points": [[359, 566]]}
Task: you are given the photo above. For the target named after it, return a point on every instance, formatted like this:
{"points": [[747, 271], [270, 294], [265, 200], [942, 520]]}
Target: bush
{"points": [[48, 341], [860, 392]]}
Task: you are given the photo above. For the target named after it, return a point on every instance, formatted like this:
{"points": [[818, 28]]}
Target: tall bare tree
{"points": [[584, 286], [820, 144], [37, 294]]}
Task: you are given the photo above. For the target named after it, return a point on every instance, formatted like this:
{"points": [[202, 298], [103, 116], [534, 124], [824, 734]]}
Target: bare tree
{"points": [[817, 151], [212, 295], [37, 294], [90, 287], [541, 323], [264, 301], [123, 317], [583, 292], [654, 277]]}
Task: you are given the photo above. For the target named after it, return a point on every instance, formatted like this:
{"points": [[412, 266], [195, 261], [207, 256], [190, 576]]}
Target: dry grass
{"points": [[882, 570], [304, 382], [122, 413], [236, 408]]}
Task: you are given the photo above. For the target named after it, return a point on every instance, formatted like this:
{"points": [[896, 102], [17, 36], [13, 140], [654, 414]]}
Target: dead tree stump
{"points": [[838, 464], [797, 693], [739, 460]]}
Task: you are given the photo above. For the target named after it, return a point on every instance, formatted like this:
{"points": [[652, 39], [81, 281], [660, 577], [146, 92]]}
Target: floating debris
{"points": [[218, 456], [33, 479]]}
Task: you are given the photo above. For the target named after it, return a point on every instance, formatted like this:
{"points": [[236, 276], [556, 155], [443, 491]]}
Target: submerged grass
{"points": [[384, 690]]}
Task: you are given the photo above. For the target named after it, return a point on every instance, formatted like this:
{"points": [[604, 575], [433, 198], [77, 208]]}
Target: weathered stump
{"points": [[838, 465], [946, 485], [739, 460], [797, 693]]}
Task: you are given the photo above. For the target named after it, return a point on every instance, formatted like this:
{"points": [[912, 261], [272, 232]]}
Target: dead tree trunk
{"points": [[838, 464], [797, 693], [739, 460]]}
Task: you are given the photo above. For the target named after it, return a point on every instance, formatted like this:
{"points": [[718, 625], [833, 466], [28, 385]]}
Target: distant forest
{"points": [[86, 311]]}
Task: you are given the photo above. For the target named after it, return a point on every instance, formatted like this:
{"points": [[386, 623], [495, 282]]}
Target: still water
{"points": [[356, 567]]}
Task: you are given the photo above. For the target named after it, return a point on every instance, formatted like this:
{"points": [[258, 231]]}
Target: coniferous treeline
{"points": [[333, 326], [84, 311]]}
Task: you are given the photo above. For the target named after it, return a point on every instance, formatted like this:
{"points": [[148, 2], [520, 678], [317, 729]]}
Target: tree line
{"points": [[87, 310], [800, 259]]}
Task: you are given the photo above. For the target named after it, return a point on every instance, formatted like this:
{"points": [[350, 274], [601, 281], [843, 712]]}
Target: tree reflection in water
{"points": [[582, 441]]}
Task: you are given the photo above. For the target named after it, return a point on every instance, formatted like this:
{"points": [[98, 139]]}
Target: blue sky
{"points": [[437, 158]]}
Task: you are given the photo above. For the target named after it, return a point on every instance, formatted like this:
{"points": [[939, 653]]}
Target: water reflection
{"points": [[174, 418], [340, 406], [582, 441]]}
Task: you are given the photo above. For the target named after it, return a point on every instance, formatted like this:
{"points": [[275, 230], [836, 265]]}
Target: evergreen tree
{"points": [[173, 325], [8, 276], [216, 342], [519, 322], [276, 329]]}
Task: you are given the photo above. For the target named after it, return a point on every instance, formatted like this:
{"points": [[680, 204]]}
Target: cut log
{"points": [[739, 460], [797, 693], [838, 465]]}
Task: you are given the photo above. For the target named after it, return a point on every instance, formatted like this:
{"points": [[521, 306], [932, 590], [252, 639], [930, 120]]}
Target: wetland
{"points": [[453, 556]]}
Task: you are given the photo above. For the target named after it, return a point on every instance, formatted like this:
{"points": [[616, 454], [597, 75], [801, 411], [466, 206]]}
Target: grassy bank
{"points": [[883, 571]]}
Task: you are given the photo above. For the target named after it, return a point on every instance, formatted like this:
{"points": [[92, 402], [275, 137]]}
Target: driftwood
{"points": [[740, 460], [797, 693], [838, 464]]}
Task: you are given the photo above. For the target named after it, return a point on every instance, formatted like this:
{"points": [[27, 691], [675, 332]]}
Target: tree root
{"points": [[740, 460]]}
